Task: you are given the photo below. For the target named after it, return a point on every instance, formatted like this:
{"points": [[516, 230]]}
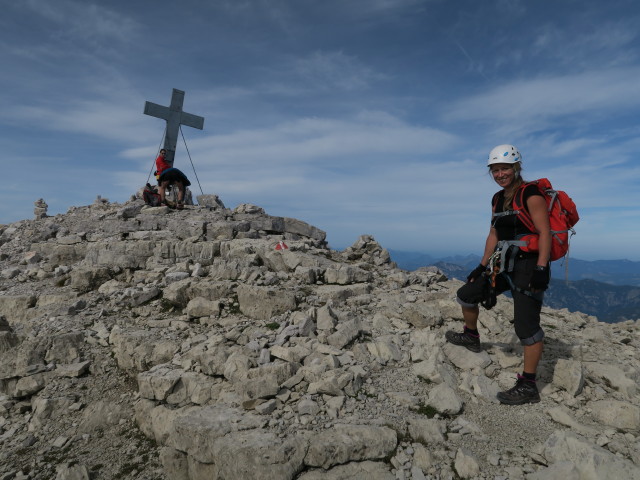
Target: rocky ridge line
{"points": [[148, 343]]}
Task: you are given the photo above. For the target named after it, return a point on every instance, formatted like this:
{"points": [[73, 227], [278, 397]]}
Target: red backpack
{"points": [[563, 215], [151, 196]]}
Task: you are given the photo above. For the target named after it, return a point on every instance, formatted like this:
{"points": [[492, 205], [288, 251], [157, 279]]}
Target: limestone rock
{"points": [[27, 386], [195, 431], [569, 375], [354, 470], [202, 307], [348, 443], [212, 201], [259, 455], [17, 308], [422, 315], [426, 430], [564, 417], [87, 279], [618, 414], [263, 303], [590, 460], [152, 343], [613, 376], [445, 400], [345, 333], [158, 382], [73, 369], [466, 464], [465, 359], [72, 472], [101, 414]]}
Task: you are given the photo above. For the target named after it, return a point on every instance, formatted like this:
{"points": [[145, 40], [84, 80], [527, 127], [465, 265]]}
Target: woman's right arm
{"points": [[489, 246]]}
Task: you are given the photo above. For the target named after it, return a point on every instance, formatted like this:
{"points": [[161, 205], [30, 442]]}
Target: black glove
{"points": [[479, 270], [540, 278]]}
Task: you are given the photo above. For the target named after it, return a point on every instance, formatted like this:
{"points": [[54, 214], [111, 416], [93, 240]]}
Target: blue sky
{"points": [[357, 116]]}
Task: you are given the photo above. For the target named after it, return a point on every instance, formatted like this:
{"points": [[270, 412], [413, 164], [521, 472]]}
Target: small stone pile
{"points": [[147, 343], [40, 210]]}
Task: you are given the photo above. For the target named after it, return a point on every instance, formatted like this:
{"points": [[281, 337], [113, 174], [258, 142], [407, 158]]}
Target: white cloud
{"points": [[368, 136], [608, 42], [84, 21], [114, 120], [550, 98], [330, 70]]}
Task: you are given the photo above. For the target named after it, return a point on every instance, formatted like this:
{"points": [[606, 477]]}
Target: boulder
{"points": [[354, 470], [195, 431], [426, 430], [86, 279], [590, 460], [262, 303], [569, 375], [445, 399], [259, 455], [617, 414], [350, 443], [202, 307]]}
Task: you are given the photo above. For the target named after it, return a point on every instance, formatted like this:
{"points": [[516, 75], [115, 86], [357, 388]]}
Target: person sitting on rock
{"points": [[504, 266], [168, 175]]}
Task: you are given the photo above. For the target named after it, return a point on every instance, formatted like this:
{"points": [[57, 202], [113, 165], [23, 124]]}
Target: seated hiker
{"points": [[168, 175]]}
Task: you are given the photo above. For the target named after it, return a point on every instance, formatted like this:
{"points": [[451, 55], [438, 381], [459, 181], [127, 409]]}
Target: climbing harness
{"points": [[502, 261]]}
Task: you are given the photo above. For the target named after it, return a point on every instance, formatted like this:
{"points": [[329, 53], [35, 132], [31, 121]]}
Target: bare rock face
{"points": [[207, 343]]}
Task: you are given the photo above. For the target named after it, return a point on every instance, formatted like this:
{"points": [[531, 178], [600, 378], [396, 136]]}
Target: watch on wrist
{"points": [[541, 268]]}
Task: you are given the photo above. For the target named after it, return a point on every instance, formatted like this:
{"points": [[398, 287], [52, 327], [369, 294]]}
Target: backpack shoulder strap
{"points": [[494, 201], [519, 206]]}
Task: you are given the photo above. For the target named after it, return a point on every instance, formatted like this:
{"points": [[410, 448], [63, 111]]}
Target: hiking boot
{"points": [[524, 391], [464, 339]]}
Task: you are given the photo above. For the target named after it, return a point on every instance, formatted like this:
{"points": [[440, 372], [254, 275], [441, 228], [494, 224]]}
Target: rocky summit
{"points": [[211, 343]]}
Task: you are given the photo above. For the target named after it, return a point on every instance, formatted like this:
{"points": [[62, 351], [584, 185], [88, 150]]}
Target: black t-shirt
{"points": [[508, 227]]}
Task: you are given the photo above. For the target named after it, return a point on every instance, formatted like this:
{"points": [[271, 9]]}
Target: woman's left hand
{"points": [[540, 279]]}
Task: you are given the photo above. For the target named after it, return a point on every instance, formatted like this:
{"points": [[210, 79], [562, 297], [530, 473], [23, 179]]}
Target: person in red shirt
{"points": [[168, 175]]}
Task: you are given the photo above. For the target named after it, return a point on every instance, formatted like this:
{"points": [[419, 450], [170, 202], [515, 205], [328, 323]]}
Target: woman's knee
{"points": [[532, 339], [466, 305], [469, 295], [529, 332]]}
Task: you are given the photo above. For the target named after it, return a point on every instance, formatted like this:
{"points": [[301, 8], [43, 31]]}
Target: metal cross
{"points": [[174, 117]]}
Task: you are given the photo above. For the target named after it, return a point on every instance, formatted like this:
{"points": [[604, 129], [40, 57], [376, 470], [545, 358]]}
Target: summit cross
{"points": [[174, 116]]}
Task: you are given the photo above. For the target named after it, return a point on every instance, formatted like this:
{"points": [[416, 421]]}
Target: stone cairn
{"points": [[148, 343], [40, 210]]}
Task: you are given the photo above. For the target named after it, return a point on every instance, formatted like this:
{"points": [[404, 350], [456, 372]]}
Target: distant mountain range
{"points": [[607, 289]]}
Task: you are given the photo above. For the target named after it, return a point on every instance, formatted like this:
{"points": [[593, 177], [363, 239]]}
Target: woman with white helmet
{"points": [[505, 267]]}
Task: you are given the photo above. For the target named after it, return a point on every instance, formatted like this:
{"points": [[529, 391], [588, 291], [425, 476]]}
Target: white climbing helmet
{"points": [[504, 154]]}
